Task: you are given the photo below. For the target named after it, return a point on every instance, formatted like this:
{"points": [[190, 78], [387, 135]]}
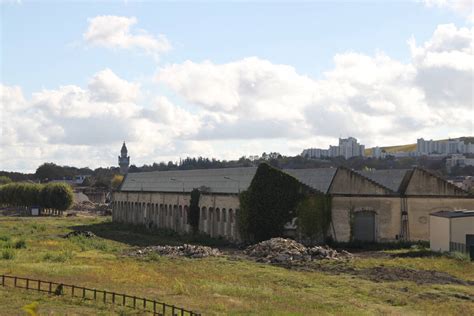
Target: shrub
{"points": [[4, 238], [8, 254], [20, 244], [268, 204]]}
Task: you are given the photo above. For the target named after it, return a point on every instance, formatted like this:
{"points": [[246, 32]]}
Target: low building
{"points": [[380, 205], [452, 231]]}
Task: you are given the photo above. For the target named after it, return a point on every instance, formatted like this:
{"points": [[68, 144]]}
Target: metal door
{"points": [[364, 226]]}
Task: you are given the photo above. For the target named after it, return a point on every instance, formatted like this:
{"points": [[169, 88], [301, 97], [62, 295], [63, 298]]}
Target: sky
{"points": [[225, 79]]}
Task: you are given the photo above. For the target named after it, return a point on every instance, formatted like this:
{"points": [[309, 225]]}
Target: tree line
{"points": [[58, 196]]}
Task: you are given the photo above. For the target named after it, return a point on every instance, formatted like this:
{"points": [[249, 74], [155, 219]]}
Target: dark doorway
{"points": [[470, 246], [364, 226]]}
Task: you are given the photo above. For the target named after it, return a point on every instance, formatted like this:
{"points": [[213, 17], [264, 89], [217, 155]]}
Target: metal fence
{"points": [[107, 297]]}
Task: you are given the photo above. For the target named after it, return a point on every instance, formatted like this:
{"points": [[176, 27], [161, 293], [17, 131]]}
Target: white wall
{"points": [[439, 233]]}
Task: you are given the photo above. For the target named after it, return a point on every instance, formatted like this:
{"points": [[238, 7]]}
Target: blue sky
{"points": [[41, 44], [43, 47]]}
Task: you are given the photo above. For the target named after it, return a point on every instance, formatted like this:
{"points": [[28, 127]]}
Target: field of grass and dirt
{"points": [[394, 282]]}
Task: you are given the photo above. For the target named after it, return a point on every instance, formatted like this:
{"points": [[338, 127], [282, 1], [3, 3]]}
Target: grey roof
{"points": [[453, 214], [390, 178], [319, 178], [225, 180]]}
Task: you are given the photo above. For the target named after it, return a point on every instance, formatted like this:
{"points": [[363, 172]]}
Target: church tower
{"points": [[124, 160]]}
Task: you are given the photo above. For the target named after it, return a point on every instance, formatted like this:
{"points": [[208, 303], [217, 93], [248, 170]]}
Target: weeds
{"points": [[91, 243], [8, 254], [461, 256], [63, 256]]}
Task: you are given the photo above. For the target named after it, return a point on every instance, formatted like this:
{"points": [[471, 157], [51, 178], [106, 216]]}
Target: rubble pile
{"points": [[90, 207], [84, 233], [186, 250], [287, 251]]}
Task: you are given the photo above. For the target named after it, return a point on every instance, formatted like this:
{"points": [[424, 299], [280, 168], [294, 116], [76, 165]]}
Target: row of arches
{"points": [[216, 222]]}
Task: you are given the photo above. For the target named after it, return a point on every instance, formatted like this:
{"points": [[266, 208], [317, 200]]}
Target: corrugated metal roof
{"points": [[390, 178], [318, 178], [225, 180]]}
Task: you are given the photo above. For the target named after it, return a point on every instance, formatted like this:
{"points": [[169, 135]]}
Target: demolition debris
{"points": [[287, 251], [186, 250]]}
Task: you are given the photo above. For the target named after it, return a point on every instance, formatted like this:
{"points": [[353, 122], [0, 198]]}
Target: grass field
{"points": [[34, 247]]}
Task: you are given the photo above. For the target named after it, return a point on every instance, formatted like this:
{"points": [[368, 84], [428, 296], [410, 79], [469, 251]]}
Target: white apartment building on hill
{"points": [[347, 148]]}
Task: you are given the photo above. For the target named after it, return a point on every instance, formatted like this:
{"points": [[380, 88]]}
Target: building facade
{"points": [[443, 147], [382, 205]]}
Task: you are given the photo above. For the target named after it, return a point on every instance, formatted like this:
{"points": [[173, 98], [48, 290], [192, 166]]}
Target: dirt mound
{"points": [[186, 250], [286, 251], [84, 233]]}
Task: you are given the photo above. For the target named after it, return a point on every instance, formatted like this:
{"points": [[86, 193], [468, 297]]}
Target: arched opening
{"points": [[210, 221], [223, 228], [203, 219]]}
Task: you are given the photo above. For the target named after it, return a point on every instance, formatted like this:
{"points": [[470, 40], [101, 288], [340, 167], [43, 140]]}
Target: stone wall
{"points": [[348, 182], [169, 210], [424, 183], [387, 216], [419, 209]]}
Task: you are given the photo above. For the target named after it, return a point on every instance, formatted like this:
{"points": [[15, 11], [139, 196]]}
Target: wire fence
{"points": [[107, 297]]}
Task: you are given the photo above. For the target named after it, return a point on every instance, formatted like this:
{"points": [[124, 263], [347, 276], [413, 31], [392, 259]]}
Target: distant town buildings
{"points": [[348, 147], [458, 160], [124, 160], [443, 147]]}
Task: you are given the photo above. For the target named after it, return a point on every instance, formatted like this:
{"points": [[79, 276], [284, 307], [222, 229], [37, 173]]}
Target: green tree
{"points": [[268, 204], [193, 219]]}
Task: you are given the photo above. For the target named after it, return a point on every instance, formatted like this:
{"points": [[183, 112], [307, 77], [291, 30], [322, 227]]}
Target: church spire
{"points": [[123, 159]]}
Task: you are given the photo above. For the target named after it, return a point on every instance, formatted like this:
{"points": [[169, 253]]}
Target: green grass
{"points": [[214, 286]]}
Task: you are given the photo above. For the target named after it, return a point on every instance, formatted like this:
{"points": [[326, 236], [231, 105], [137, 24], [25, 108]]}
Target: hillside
{"points": [[412, 147]]}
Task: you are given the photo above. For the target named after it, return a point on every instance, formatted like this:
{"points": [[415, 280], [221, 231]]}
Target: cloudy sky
{"points": [[226, 79]]}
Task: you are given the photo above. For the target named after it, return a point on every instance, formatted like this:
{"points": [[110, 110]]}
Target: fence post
{"points": [[154, 308], [95, 294], [105, 297], [15, 278], [3, 280], [172, 310], [50, 288], [144, 303], [83, 292], [72, 293], [164, 309], [39, 285], [113, 297], [134, 302], [123, 298]]}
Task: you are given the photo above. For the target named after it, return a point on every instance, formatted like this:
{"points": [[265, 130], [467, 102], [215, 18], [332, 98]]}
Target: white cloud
{"points": [[245, 107], [375, 98], [106, 86], [464, 8], [445, 66], [115, 32], [51, 124]]}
